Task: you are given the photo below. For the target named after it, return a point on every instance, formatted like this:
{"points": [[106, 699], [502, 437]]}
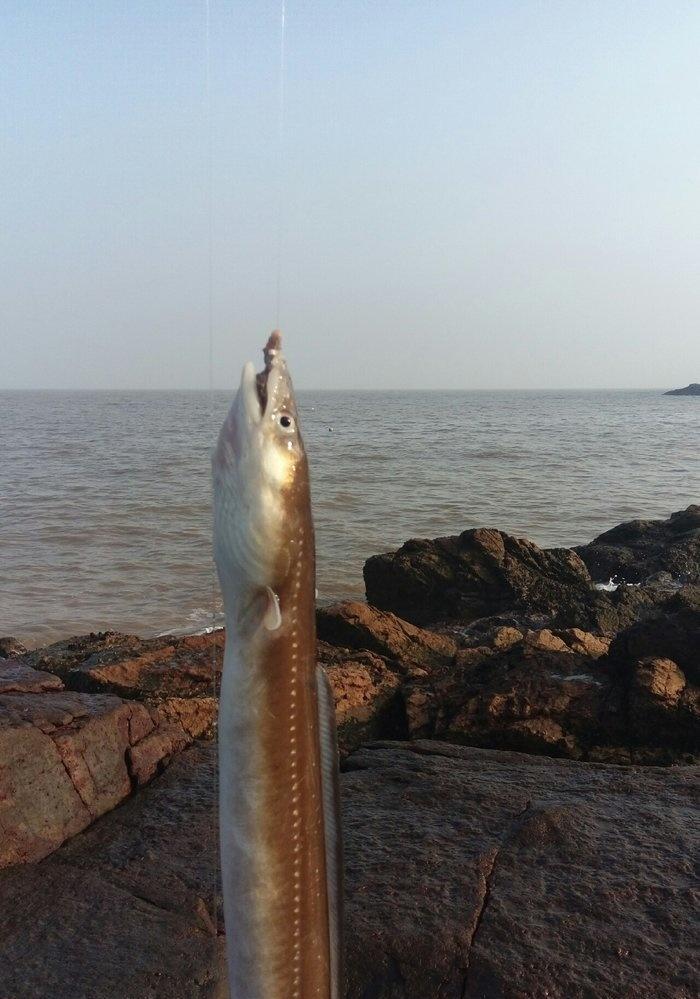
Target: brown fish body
{"points": [[279, 827]]}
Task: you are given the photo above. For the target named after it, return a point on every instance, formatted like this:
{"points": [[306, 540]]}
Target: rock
{"points": [[640, 549], [10, 647], [692, 389], [488, 574], [543, 641], [469, 873], [660, 681], [673, 632], [164, 672], [367, 697], [479, 874], [359, 626], [16, 678], [504, 638], [127, 909], [587, 644], [479, 573], [63, 763], [145, 759]]}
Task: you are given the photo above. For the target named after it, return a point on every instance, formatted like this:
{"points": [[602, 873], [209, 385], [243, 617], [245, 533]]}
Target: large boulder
{"points": [[65, 759], [638, 549], [469, 874], [485, 573], [127, 910], [475, 874]]}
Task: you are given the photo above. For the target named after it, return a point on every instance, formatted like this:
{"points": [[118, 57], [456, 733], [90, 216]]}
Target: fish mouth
{"points": [[271, 351], [273, 381]]}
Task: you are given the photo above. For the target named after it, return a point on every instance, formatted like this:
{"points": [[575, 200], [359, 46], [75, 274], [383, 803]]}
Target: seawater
{"points": [[105, 496]]}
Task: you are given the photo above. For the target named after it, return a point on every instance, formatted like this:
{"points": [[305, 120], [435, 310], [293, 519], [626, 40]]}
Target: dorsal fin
{"points": [[333, 831]]}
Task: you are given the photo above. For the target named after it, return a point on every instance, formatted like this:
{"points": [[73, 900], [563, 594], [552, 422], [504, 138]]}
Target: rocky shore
{"points": [[518, 750]]}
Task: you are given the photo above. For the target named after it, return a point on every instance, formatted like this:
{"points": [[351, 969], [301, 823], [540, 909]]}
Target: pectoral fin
{"points": [[272, 618]]}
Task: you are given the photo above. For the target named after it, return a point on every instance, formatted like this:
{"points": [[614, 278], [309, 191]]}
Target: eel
{"points": [[279, 822]]}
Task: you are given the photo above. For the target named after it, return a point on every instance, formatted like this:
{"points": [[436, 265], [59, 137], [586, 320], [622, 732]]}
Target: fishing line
{"points": [[210, 336], [280, 159]]}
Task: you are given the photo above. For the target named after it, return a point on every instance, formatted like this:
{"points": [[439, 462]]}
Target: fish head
{"points": [[260, 478]]}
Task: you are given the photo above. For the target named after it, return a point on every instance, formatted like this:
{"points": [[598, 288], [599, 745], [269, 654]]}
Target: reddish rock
{"points": [[660, 680], [152, 753], [177, 678], [504, 637], [587, 644], [543, 641], [62, 764], [366, 694], [356, 625]]}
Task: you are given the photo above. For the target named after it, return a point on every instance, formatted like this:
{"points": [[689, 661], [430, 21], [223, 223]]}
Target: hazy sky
{"points": [[474, 195]]}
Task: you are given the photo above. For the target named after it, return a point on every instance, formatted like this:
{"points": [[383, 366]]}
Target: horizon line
{"points": [[208, 389]]}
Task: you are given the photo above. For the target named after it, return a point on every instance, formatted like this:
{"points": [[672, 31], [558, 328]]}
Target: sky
{"points": [[456, 195]]}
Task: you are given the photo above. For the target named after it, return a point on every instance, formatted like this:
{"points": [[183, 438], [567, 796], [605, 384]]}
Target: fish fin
{"points": [[330, 785], [272, 618]]}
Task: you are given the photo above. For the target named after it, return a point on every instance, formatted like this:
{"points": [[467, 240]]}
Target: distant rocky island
{"points": [[692, 389], [519, 750]]}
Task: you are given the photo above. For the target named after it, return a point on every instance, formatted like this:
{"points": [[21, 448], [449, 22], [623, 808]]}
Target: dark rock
{"points": [[10, 647], [487, 874], [479, 573], [469, 873], [639, 550], [692, 389], [672, 632], [486, 574]]}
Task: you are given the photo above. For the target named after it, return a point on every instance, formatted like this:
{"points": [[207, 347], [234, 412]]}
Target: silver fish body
{"points": [[278, 802]]}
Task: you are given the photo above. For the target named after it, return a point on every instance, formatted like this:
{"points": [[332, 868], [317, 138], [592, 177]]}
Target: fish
{"points": [[279, 804]]}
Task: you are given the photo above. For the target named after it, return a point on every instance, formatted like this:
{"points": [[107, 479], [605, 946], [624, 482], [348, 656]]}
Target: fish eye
{"points": [[286, 421]]}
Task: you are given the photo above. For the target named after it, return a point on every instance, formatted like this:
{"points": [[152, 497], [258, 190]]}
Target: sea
{"points": [[105, 497]]}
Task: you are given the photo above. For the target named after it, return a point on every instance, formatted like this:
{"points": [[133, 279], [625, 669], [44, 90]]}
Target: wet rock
{"points": [[356, 625], [639, 549], [488, 574], [367, 697], [479, 573], [10, 647], [63, 763], [162, 672]]}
